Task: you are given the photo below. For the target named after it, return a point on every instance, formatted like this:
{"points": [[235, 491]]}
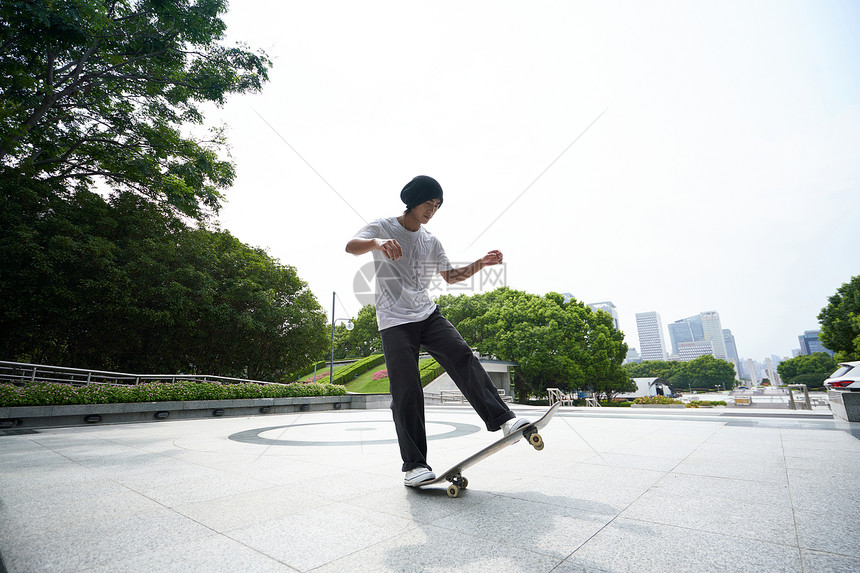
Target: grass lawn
{"points": [[365, 384], [321, 371]]}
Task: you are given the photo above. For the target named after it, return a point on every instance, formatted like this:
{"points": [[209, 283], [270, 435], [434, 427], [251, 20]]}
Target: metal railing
{"points": [[20, 373], [806, 404]]}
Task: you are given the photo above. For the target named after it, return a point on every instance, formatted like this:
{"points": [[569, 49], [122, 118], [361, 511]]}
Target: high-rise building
{"points": [[702, 327], [632, 356], [692, 350], [752, 372], [713, 331], [810, 343], [680, 331], [731, 346], [652, 344], [696, 326], [609, 308], [772, 374]]}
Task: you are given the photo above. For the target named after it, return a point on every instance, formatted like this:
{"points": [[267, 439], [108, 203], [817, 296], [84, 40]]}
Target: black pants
{"points": [[438, 337]]}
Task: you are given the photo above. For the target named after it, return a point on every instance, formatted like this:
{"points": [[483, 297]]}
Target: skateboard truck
{"points": [[534, 438], [458, 483]]}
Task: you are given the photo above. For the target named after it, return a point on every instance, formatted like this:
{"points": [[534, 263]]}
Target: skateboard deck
{"points": [[529, 432]]}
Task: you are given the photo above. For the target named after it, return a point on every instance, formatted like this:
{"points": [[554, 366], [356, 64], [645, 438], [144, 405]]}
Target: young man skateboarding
{"points": [[407, 257]]}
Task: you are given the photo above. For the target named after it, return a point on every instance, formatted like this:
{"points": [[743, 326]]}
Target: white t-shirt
{"points": [[401, 285]]}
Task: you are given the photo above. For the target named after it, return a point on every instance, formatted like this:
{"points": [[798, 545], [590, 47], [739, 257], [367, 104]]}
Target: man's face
{"points": [[425, 211]]}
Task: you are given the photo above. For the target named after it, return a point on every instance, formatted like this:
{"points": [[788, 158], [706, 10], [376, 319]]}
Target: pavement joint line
{"points": [[790, 493]]}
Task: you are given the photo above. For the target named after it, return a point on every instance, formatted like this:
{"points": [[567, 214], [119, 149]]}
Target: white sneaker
{"points": [[417, 476], [513, 425]]}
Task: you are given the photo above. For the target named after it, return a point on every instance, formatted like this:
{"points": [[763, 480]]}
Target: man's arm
{"points": [[389, 247], [462, 273]]}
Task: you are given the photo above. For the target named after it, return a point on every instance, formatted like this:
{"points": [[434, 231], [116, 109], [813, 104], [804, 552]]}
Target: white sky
{"points": [[724, 174]]}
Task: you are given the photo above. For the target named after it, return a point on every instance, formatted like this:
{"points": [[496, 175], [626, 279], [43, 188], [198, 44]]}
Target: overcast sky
{"points": [[676, 157]]}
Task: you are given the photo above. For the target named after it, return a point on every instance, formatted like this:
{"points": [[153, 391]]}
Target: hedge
{"points": [[706, 403], [52, 394], [656, 400], [430, 370], [344, 375]]}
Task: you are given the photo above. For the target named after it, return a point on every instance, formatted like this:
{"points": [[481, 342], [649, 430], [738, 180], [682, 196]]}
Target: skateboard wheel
{"points": [[453, 490], [536, 441], [464, 483]]}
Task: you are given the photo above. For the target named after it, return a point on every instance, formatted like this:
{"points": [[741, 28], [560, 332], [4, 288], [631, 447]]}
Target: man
{"points": [[407, 258]]}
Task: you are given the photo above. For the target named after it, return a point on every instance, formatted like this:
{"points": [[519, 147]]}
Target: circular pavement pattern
{"points": [[322, 433]]}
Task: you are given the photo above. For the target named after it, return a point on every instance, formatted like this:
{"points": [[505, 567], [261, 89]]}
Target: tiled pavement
{"points": [[614, 490]]}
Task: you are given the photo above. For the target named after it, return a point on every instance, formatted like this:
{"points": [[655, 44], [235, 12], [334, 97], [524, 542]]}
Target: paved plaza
{"points": [[614, 490]]}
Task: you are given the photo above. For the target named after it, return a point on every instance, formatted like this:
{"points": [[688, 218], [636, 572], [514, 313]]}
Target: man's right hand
{"points": [[390, 248]]}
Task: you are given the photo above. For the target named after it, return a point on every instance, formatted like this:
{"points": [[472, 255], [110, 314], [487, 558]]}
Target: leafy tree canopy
{"points": [[97, 90], [363, 340], [119, 285], [702, 372], [816, 363], [840, 321], [653, 369], [555, 344]]}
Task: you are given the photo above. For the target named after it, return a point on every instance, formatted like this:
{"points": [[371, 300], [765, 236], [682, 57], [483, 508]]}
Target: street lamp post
{"points": [[349, 326]]}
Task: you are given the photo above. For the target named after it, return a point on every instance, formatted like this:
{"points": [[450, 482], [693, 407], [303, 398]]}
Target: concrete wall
{"points": [[92, 414], [499, 373]]}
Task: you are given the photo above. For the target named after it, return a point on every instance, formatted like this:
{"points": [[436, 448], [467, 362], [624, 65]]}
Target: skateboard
{"points": [[529, 432]]}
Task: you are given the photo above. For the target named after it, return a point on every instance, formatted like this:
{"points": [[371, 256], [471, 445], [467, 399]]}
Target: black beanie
{"points": [[419, 190]]}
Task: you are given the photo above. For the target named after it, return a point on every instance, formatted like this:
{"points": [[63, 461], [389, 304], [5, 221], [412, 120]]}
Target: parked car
{"points": [[846, 378]]}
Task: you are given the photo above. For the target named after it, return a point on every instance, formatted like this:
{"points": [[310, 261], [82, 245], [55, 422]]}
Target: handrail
{"points": [[792, 404], [21, 372]]}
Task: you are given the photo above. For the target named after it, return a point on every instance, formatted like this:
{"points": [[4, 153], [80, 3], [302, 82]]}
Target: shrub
{"points": [[613, 404], [697, 403], [380, 375], [52, 394], [813, 380], [358, 367], [656, 400], [430, 370]]}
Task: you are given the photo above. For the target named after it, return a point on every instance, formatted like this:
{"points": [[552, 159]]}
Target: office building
{"points": [[680, 332], [701, 327], [608, 308], [752, 372], [652, 343], [772, 374], [810, 343], [696, 326], [632, 356], [731, 346], [691, 350], [713, 331]]}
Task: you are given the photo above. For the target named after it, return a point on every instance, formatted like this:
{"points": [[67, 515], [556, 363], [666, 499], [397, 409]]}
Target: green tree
{"points": [[101, 91], [704, 372], [363, 340], [811, 370], [121, 285], [840, 321], [653, 369], [554, 344]]}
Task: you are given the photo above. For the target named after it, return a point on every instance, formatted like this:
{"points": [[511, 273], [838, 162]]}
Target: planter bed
{"points": [[92, 414]]}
